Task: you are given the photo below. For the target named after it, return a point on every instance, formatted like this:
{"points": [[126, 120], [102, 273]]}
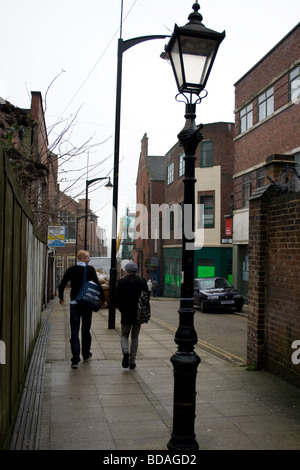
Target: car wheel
{"points": [[239, 309], [202, 308]]}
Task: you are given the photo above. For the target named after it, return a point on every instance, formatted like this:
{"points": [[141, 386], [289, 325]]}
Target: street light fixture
{"points": [[192, 50], [87, 184]]}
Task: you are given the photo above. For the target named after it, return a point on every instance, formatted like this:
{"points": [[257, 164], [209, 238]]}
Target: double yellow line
{"points": [[208, 347]]}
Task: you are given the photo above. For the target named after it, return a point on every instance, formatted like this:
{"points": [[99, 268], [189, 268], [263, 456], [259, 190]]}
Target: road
{"points": [[223, 334]]}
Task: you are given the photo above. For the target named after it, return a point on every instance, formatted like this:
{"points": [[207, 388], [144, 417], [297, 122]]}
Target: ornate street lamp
{"points": [[192, 50], [87, 184]]}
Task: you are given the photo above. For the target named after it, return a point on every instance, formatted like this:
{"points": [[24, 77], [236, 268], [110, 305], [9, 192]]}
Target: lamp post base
{"points": [[185, 365], [178, 444]]}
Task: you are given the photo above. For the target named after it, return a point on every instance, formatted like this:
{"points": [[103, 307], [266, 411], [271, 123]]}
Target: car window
{"points": [[222, 283], [207, 284]]}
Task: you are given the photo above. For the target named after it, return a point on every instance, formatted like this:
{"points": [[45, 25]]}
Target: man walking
{"points": [[128, 292], [155, 287], [78, 312]]}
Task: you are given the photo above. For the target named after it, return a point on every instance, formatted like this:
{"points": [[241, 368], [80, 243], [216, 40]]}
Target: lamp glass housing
{"points": [[192, 50], [192, 58]]}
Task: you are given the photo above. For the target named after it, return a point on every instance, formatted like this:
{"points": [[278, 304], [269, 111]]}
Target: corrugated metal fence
{"points": [[22, 272]]}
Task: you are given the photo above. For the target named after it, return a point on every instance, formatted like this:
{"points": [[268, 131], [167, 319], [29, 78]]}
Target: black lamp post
{"points": [[192, 50], [122, 47], [77, 220], [87, 184]]}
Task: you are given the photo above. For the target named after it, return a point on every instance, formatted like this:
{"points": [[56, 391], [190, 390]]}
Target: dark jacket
{"points": [[128, 292], [74, 275]]}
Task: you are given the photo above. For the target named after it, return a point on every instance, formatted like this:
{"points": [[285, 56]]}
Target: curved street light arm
{"points": [[122, 47], [134, 41]]}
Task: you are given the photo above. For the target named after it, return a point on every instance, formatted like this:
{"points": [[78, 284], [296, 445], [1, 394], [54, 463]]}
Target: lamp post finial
{"points": [[196, 15]]}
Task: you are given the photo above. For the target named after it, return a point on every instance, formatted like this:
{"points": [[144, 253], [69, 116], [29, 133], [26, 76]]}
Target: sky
{"points": [[67, 50]]}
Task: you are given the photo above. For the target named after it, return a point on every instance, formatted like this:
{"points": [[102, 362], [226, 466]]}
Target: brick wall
{"points": [[142, 197], [278, 133], [280, 58], [150, 189], [37, 114], [274, 294]]}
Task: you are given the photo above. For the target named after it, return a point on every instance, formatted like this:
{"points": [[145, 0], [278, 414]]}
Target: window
{"points": [[295, 84], [266, 104], [246, 189], [69, 221], [207, 154], [206, 268], [170, 173], [260, 177], [246, 118], [172, 221], [169, 272], [172, 275], [208, 210], [71, 260], [178, 274], [181, 165]]}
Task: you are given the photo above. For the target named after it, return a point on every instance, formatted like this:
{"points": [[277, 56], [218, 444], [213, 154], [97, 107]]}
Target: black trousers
{"points": [[80, 315]]}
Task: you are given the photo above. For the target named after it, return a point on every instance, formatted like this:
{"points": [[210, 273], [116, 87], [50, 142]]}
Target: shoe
{"points": [[89, 357], [74, 365], [132, 365], [125, 361]]}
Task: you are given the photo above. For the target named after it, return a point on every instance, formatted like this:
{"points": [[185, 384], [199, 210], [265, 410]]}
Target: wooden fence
{"points": [[22, 272]]}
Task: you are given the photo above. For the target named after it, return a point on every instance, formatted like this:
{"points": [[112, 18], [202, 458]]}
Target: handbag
{"points": [[89, 294], [144, 308]]}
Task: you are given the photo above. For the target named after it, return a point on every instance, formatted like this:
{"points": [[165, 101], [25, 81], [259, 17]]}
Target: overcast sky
{"points": [[76, 41]]}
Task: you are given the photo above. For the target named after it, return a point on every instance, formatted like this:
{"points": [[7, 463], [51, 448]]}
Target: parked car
{"points": [[215, 293]]}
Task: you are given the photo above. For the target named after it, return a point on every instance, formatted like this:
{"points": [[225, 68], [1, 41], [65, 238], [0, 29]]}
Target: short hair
{"points": [[82, 254]]}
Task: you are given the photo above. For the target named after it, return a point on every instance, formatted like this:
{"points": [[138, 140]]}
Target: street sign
{"points": [[56, 235]]}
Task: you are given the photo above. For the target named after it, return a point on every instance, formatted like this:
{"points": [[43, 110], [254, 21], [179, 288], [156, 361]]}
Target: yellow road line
{"points": [[204, 344]]}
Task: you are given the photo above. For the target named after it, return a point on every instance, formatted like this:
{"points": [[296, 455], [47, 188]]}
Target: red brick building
{"points": [[266, 134], [214, 192], [266, 232], [150, 190]]}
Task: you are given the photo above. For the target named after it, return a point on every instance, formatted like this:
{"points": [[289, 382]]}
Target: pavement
{"points": [[101, 406]]}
